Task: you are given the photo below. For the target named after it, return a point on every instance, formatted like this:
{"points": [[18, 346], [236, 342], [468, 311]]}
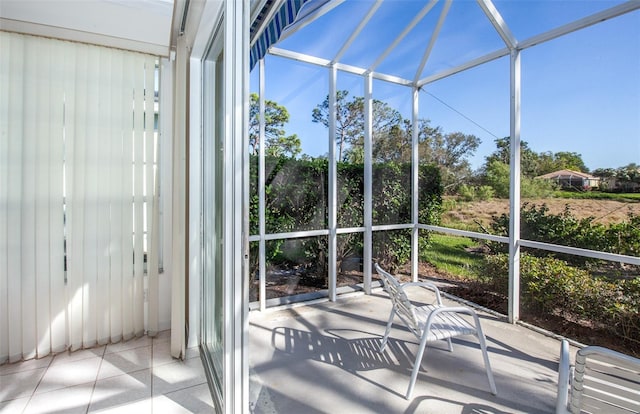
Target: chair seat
{"points": [[444, 325]]}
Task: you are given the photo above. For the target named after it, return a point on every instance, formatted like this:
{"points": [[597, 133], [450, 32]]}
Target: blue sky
{"points": [[580, 92]]}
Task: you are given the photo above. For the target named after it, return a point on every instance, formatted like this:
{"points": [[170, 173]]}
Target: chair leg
{"points": [[388, 329], [487, 365], [450, 344], [416, 365]]}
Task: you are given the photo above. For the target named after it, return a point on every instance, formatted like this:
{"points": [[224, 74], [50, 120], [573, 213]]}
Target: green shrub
{"points": [[553, 286], [498, 177], [467, 192], [485, 192], [536, 223]]}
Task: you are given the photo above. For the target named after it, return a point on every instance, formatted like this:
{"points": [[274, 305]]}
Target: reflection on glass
{"points": [[296, 266], [350, 259], [296, 194]]}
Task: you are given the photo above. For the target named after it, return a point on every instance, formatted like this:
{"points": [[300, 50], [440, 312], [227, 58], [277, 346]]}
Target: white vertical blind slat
{"points": [[127, 199], [57, 315], [103, 144], [118, 113], [14, 196], [42, 149], [75, 196], [5, 46], [138, 150], [150, 196], [28, 225], [92, 194]]}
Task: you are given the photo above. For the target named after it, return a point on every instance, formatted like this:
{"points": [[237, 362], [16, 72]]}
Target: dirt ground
{"points": [[603, 211]]}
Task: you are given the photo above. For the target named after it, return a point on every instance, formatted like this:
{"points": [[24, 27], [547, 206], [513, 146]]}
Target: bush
{"points": [[467, 192], [552, 286], [565, 229], [498, 178], [485, 192]]}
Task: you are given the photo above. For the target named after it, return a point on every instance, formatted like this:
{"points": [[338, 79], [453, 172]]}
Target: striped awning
{"points": [[284, 18]]}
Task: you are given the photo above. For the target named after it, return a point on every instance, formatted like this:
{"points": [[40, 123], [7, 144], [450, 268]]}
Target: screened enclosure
{"points": [[369, 133]]}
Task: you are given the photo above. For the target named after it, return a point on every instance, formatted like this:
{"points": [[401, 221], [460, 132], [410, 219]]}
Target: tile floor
{"points": [[137, 376]]}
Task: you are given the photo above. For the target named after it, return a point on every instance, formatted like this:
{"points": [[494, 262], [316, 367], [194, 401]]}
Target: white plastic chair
{"points": [[430, 323], [602, 381]]}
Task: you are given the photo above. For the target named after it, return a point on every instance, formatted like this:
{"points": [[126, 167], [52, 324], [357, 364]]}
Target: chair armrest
{"points": [[429, 285]]}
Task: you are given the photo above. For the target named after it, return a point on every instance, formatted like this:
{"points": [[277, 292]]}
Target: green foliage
{"points": [[473, 193], [392, 138], [497, 176], [565, 229], [553, 286], [533, 164], [485, 192], [276, 116], [296, 195]]}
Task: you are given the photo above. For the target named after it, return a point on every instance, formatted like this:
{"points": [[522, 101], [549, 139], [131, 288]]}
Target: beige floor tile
{"points": [[178, 375], [195, 399], [70, 374], [141, 342], [136, 407], [25, 365], [164, 404], [68, 400], [20, 384], [66, 357], [121, 391], [162, 353], [14, 406], [123, 362]]}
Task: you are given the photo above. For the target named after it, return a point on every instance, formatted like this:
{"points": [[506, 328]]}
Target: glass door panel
{"points": [[212, 220]]}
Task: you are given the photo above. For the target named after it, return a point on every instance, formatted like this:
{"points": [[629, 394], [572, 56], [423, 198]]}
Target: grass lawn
{"points": [[452, 255], [596, 195]]}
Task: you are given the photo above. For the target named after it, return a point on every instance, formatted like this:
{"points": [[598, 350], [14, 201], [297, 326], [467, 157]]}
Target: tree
{"points": [[528, 158], [276, 116], [449, 153], [565, 160], [289, 146], [350, 123]]}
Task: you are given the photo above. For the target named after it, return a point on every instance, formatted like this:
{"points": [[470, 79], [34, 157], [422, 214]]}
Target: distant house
{"points": [[572, 179]]}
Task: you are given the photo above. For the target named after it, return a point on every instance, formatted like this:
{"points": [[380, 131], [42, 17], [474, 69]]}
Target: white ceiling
{"points": [[140, 25]]}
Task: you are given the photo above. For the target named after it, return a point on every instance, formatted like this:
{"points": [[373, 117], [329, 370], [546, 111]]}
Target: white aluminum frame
{"points": [[512, 49]]}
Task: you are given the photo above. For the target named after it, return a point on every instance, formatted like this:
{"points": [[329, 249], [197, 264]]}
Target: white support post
{"points": [[332, 245], [514, 192], [368, 179], [262, 272], [414, 183]]}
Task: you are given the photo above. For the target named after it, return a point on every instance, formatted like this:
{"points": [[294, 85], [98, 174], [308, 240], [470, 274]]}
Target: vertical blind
{"points": [[78, 221]]}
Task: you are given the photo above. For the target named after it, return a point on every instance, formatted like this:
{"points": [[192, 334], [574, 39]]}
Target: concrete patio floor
{"points": [[323, 358]]}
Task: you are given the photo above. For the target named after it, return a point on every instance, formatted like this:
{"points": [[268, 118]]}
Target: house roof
{"points": [[566, 174]]}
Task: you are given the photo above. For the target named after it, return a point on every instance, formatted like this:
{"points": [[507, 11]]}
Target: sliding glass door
{"points": [[224, 208], [213, 309]]}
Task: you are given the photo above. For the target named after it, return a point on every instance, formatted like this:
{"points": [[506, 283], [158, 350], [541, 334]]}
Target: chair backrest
{"points": [[605, 381], [403, 306]]}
